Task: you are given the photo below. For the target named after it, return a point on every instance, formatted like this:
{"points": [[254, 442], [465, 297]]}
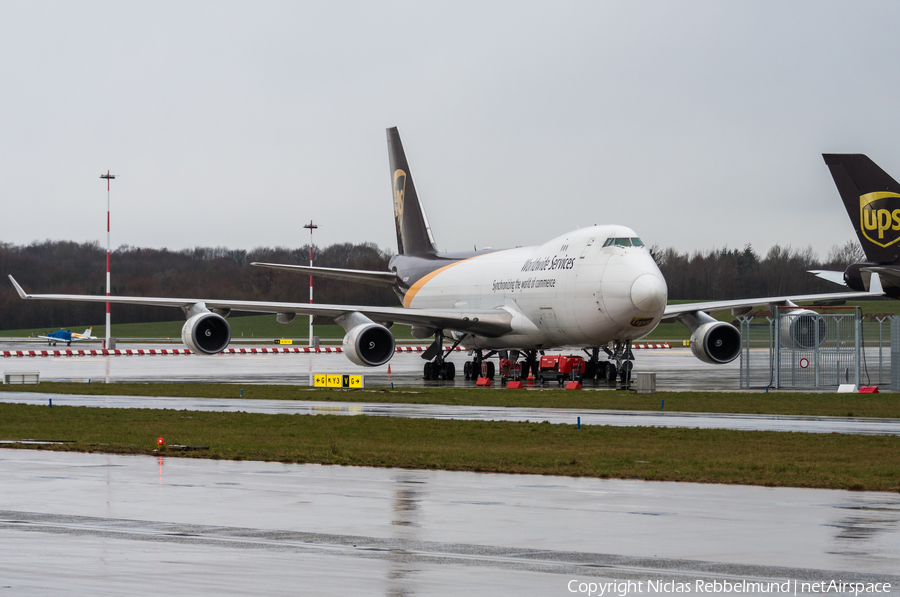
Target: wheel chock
{"points": [[869, 390], [483, 382], [515, 385], [573, 385]]}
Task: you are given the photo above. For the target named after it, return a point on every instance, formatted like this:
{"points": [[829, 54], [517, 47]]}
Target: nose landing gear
{"points": [[621, 352]]}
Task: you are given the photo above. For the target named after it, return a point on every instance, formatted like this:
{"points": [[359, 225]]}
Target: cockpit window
{"points": [[623, 242]]}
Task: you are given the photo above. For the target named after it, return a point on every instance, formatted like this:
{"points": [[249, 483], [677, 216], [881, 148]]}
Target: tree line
{"points": [[65, 267], [721, 274]]}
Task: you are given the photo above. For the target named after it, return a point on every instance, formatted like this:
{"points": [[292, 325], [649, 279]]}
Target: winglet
{"points": [[18, 288], [875, 284]]}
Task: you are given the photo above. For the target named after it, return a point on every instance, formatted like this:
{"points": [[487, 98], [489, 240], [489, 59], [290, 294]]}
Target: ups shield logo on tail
{"points": [[879, 217], [399, 190]]}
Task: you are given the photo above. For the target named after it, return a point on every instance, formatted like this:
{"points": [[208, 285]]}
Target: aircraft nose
{"points": [[649, 293]]}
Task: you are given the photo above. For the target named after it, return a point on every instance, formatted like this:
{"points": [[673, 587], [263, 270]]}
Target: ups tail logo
{"points": [[399, 191], [879, 218]]}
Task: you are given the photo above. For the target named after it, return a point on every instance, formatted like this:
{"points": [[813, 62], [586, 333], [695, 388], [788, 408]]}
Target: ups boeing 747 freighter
{"points": [[596, 289]]}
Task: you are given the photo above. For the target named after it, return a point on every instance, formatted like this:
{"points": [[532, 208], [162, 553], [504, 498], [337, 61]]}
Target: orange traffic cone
{"points": [[389, 371]]}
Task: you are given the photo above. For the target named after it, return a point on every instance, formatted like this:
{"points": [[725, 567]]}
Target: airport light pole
{"points": [[108, 178], [311, 227]]}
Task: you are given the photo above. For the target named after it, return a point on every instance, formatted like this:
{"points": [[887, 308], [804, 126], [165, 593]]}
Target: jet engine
{"points": [[802, 329], [206, 333], [716, 342], [369, 344]]}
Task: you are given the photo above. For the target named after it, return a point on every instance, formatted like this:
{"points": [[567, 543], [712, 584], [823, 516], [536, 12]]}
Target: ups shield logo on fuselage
{"points": [[879, 217], [399, 191]]}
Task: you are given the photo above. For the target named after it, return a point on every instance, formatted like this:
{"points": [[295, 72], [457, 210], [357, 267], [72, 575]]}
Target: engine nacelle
{"points": [[716, 342], [802, 329], [369, 344], [853, 277], [206, 333]]}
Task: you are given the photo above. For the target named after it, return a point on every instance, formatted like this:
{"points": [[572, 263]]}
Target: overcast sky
{"points": [[697, 124]]}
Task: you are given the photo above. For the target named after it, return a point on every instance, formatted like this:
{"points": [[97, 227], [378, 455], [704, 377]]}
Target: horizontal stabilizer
{"points": [[830, 276], [350, 275]]}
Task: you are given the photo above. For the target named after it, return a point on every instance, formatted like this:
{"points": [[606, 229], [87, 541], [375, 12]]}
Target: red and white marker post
{"points": [[108, 178], [311, 227]]}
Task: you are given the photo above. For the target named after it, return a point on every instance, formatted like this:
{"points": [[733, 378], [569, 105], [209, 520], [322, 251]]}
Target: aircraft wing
{"points": [[674, 311], [484, 322], [351, 275]]}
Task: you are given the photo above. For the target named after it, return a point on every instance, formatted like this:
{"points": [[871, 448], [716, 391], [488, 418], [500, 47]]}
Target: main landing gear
{"points": [[438, 367], [473, 369], [530, 364], [618, 367], [480, 366]]}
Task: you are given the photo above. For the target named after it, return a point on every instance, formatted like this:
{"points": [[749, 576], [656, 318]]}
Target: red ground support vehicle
{"points": [[561, 368], [510, 371]]}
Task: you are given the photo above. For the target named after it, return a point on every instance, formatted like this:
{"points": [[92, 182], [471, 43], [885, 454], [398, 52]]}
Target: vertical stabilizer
{"points": [[872, 199], [413, 232]]}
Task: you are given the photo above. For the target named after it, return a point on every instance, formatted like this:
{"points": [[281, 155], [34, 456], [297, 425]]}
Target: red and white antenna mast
{"points": [[108, 178], [311, 227]]}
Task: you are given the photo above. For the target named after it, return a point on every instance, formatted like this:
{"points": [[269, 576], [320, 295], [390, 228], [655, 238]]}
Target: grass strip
{"points": [[775, 403], [774, 459]]}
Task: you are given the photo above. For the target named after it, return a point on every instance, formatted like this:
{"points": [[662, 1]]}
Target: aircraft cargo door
{"points": [[589, 268]]}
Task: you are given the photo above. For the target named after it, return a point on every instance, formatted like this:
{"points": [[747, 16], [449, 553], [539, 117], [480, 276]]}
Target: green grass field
{"points": [[689, 455]]}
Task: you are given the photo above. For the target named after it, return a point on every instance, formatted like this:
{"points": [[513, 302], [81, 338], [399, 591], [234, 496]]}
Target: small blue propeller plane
{"points": [[67, 336]]}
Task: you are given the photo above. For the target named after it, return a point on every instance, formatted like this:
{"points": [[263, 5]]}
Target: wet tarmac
{"points": [[87, 524], [676, 368], [563, 416]]}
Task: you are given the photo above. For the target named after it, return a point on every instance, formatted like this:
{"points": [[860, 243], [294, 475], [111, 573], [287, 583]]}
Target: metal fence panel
{"points": [[757, 337], [879, 347], [814, 350], [895, 352]]}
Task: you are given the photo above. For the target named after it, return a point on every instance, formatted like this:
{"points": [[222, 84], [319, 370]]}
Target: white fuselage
{"points": [[570, 291]]}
